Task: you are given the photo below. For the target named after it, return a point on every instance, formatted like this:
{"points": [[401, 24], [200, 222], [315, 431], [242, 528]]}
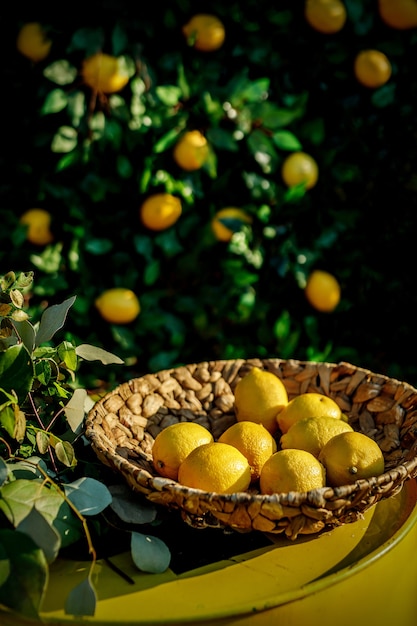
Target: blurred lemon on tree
{"points": [[118, 305], [291, 470], [204, 32], [228, 221], [323, 291], [310, 404], [259, 396], [33, 42], [312, 433], [300, 168], [400, 14], [105, 73], [351, 456], [254, 441], [325, 16], [216, 467], [38, 223], [173, 444], [191, 151], [372, 68], [160, 211]]}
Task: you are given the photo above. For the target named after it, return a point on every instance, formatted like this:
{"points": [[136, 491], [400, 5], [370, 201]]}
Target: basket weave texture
{"points": [[123, 424]]}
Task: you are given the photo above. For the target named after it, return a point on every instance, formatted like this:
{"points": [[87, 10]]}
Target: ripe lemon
{"points": [[215, 467], [300, 168], [372, 68], [38, 222], [191, 151], [160, 211], [323, 291], [105, 73], [325, 16], [309, 404], [254, 442], [291, 470], [349, 457], [118, 305], [312, 433], [400, 14], [259, 397], [205, 32], [33, 42], [174, 443], [228, 221]]}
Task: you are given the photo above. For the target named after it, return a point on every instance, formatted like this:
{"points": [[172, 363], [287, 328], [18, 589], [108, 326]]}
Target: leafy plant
{"points": [[45, 502]]}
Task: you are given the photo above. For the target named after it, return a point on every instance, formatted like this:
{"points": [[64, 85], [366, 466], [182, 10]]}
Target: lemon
{"points": [[309, 404], [227, 221], [105, 73], [118, 305], [259, 396], [325, 16], [160, 211], [351, 456], [191, 151], [372, 68], [174, 443], [254, 442], [323, 291], [312, 433], [38, 223], [32, 41], [400, 14], [205, 32], [300, 168], [291, 470], [216, 467]]}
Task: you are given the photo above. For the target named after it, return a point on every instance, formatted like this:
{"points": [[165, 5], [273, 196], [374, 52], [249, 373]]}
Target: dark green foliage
{"points": [[275, 86]]}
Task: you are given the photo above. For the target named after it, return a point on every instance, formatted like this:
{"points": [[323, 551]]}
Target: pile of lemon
{"points": [[277, 445]]}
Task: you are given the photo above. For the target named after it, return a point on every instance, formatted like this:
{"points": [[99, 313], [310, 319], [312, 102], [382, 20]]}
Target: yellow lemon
{"points": [[174, 443], [228, 221], [33, 42], [191, 151], [38, 222], [323, 291], [118, 305], [325, 16], [105, 73], [204, 32], [300, 168], [259, 397], [309, 404], [254, 442], [216, 467], [312, 433], [372, 68], [160, 211], [400, 14], [291, 470], [351, 456]]}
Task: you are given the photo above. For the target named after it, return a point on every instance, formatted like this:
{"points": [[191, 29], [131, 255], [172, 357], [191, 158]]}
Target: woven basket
{"points": [[123, 424]]}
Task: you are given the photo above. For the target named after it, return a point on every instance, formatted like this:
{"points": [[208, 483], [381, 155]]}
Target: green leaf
{"points": [[53, 320], [26, 333], [93, 353], [3, 471], [7, 420], [65, 139], [222, 139], [16, 371], [88, 495], [43, 534], [61, 72], [167, 140], [56, 101], [75, 409], [149, 554], [68, 355], [65, 453], [285, 140], [82, 599], [129, 508], [5, 566], [25, 587], [169, 94]]}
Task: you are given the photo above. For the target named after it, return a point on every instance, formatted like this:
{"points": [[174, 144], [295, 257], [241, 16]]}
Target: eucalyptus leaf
{"points": [[3, 471], [75, 409], [129, 508], [65, 453], [25, 587], [28, 468], [26, 334], [18, 497], [92, 353], [16, 371], [67, 354], [82, 599], [43, 534], [149, 554], [53, 320], [88, 495]]}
